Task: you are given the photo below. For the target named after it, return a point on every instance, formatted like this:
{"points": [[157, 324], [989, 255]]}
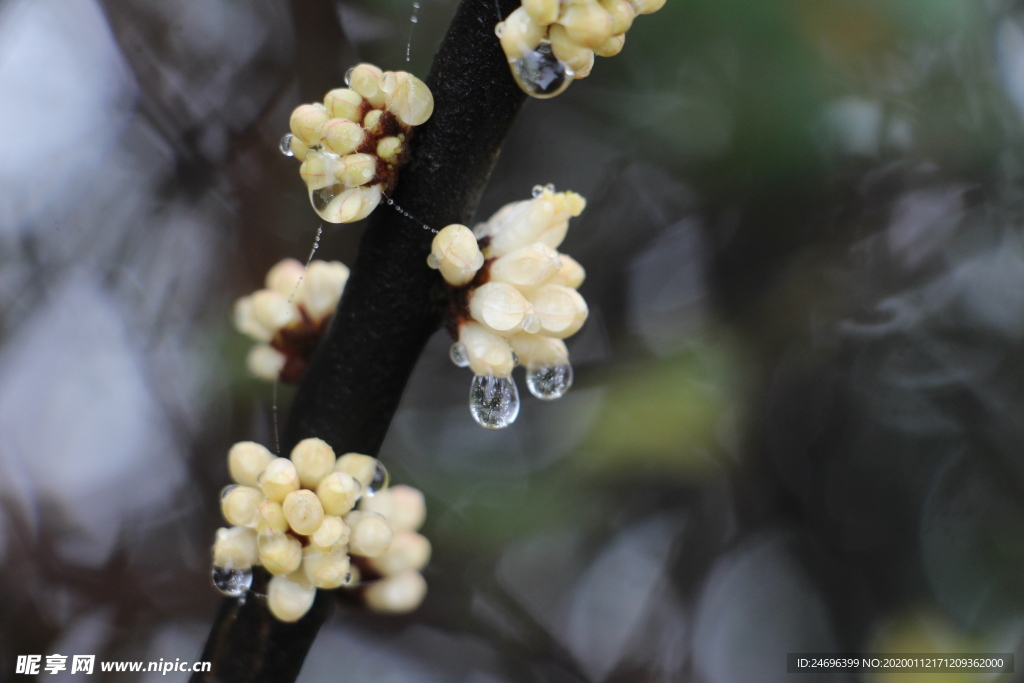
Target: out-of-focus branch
{"points": [[390, 309]]}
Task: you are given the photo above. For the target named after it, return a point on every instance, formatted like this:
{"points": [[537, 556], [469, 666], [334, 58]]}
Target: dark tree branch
{"points": [[391, 307]]}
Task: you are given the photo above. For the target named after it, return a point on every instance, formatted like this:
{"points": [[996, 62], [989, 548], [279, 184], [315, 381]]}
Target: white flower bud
{"points": [[279, 479], [527, 266], [542, 219], [455, 252], [265, 362], [285, 277], [289, 599], [343, 103], [489, 355], [365, 80], [306, 121], [408, 550], [647, 6], [271, 518], [543, 12], [389, 148], [362, 467], [246, 460], [235, 548], [577, 57], [356, 169], [279, 553], [519, 34], [370, 534], [299, 148], [313, 460], [396, 594], [246, 323], [326, 568], [238, 505], [371, 122], [332, 532], [587, 24], [402, 506], [317, 171], [571, 274], [352, 205], [536, 351], [611, 47], [338, 492], [499, 306], [304, 511], [622, 14], [411, 100], [324, 284], [561, 309], [272, 309], [342, 136]]}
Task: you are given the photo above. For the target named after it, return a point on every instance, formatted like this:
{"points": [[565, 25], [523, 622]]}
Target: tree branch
{"points": [[391, 306]]}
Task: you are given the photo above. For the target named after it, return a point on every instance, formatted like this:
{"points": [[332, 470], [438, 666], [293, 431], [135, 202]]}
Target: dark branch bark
{"points": [[390, 309]]}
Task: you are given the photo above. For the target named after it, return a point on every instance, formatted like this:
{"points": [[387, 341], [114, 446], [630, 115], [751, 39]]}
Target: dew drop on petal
{"points": [[540, 74], [459, 355], [433, 262], [228, 489], [532, 323], [380, 480], [286, 145], [515, 358], [549, 383], [550, 187], [499, 28], [538, 190], [348, 76], [232, 582], [494, 401]]}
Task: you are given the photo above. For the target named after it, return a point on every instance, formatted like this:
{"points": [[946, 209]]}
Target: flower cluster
{"points": [[290, 316], [353, 144], [549, 43], [514, 300], [298, 518]]}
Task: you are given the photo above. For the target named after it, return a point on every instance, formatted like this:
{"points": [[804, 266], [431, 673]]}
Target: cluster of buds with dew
{"points": [[549, 43], [353, 145], [513, 300], [317, 521], [290, 316]]}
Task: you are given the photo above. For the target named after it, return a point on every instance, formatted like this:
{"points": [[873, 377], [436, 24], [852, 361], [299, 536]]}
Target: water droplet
{"points": [[537, 191], [499, 28], [348, 77], [286, 145], [228, 489], [380, 480], [232, 582], [515, 358], [549, 383], [414, 19], [391, 201], [348, 579], [532, 323], [433, 262], [550, 187], [459, 355], [494, 401], [540, 74]]}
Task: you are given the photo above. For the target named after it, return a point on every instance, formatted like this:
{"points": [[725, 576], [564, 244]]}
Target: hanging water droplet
{"points": [[459, 355], [549, 383], [499, 29], [231, 582], [380, 480], [550, 187], [348, 76], [433, 262], [286, 145], [494, 401], [540, 74], [537, 191], [391, 201], [321, 198], [414, 19]]}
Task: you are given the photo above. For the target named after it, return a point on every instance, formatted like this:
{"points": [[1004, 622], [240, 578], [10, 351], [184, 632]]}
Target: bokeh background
{"points": [[798, 418]]}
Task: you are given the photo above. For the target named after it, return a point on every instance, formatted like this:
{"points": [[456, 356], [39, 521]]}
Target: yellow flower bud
{"points": [[397, 594], [356, 169], [304, 511], [519, 34], [343, 103], [402, 506], [306, 121], [313, 460], [455, 252], [280, 553], [338, 492], [342, 136], [246, 460], [235, 548], [238, 504], [279, 479], [290, 597]]}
